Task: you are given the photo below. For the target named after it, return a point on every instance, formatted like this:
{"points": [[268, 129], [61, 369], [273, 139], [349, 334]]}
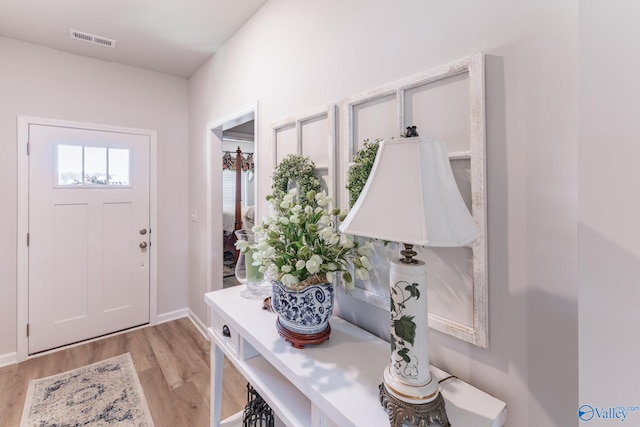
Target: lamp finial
{"points": [[408, 253]]}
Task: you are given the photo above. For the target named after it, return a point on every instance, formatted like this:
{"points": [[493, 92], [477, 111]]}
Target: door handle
{"points": [[143, 245], [143, 231]]}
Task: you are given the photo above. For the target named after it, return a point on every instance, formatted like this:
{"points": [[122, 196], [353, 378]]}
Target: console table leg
{"points": [[217, 359]]}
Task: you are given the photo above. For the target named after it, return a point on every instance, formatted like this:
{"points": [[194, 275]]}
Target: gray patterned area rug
{"points": [[106, 393]]}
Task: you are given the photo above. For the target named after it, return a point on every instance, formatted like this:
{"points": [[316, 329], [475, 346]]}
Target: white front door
{"points": [[89, 236]]}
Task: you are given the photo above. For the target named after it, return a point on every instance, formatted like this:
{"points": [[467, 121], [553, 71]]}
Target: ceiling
{"points": [[242, 132], [170, 36]]}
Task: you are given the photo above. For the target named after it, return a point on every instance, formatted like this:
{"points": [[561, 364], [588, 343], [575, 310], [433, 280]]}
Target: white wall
{"points": [[295, 57], [608, 225], [42, 82]]}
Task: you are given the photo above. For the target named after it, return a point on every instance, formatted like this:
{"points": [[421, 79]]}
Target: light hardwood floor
{"points": [[172, 361]]}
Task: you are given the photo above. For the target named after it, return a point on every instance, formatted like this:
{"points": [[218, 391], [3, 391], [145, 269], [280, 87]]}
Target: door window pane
{"points": [[69, 165], [119, 166], [95, 165]]}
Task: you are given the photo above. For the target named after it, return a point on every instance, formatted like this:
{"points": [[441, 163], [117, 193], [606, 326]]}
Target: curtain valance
{"points": [[229, 161]]}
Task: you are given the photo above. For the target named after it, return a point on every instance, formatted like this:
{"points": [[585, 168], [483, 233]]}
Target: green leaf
{"points": [[404, 354], [413, 290], [405, 328]]}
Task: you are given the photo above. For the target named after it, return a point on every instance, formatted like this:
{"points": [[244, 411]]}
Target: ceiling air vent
{"points": [[92, 38]]}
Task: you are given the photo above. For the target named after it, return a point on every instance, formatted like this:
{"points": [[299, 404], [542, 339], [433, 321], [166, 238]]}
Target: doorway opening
{"points": [[238, 192], [233, 192]]}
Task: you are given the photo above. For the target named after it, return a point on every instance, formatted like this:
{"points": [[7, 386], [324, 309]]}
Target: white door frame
{"points": [[23, 219], [214, 180]]}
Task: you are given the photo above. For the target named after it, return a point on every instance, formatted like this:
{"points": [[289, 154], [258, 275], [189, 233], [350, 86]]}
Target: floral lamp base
{"points": [[409, 391], [300, 340]]}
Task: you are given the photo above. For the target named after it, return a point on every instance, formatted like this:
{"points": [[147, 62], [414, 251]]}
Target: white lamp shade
{"points": [[412, 197]]}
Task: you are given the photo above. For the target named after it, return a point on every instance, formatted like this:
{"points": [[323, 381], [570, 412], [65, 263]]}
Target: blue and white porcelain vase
{"points": [[303, 315]]}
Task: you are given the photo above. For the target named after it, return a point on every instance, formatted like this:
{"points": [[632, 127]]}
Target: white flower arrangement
{"points": [[299, 244]]}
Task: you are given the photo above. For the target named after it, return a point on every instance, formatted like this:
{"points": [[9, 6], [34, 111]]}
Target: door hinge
{"points": [[28, 148], [27, 239], [27, 329]]}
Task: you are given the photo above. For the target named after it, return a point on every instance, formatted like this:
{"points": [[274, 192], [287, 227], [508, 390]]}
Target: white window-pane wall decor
{"points": [[312, 135], [446, 103]]}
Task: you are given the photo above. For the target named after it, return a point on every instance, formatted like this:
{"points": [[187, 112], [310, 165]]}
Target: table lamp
{"points": [[411, 197]]}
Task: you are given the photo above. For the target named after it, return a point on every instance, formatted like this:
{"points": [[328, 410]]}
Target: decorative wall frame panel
{"points": [[312, 135], [468, 103]]}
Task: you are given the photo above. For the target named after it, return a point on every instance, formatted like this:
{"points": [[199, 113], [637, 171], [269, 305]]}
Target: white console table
{"points": [[332, 384]]}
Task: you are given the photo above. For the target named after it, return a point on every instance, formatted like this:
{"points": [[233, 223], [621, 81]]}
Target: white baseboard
{"points": [[198, 324], [12, 358], [8, 359], [172, 315], [179, 314]]}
